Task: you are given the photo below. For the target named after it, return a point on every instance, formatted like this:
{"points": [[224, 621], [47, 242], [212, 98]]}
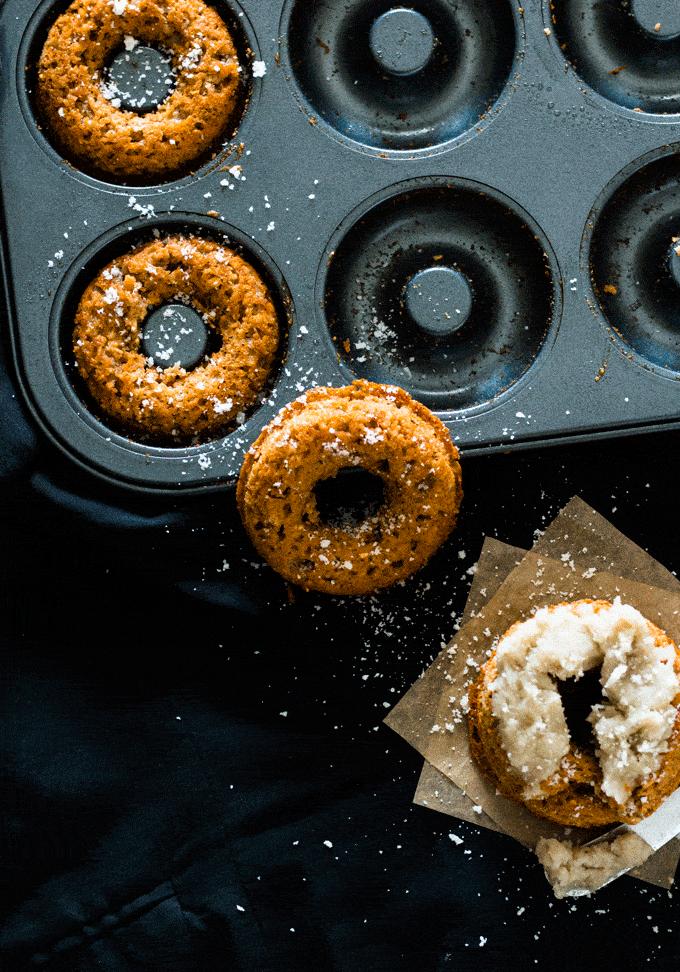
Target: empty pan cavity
{"points": [[400, 78], [635, 260], [628, 51], [444, 287]]}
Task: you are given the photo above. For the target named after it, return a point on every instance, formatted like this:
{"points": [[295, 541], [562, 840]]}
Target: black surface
{"points": [[182, 740]]}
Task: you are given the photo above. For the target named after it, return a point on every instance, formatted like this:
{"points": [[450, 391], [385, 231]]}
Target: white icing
{"points": [[633, 723], [576, 871]]}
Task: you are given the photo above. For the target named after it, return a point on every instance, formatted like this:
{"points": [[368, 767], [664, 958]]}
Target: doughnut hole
{"points": [[578, 698], [351, 497]]}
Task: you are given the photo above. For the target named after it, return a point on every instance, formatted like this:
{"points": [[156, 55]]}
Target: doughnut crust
{"points": [[380, 429], [172, 406], [573, 796], [85, 118]]}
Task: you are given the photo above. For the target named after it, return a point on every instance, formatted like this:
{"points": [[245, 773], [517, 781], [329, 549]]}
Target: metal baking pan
{"points": [[477, 201]]}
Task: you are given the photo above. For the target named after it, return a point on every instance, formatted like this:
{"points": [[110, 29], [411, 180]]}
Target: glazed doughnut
{"points": [[380, 429], [517, 726], [172, 405], [83, 113]]}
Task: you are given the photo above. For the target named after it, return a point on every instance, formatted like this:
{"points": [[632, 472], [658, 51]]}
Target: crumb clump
{"points": [[576, 871]]}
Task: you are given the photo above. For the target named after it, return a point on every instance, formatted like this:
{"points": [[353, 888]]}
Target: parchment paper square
{"points": [[579, 555]]}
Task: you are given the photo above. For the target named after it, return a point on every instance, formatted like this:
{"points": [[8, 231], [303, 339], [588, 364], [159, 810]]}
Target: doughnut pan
{"points": [[472, 199]]}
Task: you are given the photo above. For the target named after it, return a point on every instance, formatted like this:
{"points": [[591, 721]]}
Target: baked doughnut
{"points": [[378, 428], [82, 109], [173, 405], [517, 726]]}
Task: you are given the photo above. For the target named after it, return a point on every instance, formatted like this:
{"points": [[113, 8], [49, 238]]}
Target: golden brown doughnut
{"points": [[81, 113], [380, 429], [578, 792], [170, 405]]}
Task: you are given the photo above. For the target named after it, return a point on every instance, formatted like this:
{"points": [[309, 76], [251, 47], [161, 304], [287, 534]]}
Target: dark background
{"points": [[197, 774]]}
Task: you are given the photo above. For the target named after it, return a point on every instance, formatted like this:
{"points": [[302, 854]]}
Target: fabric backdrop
{"points": [[197, 777]]}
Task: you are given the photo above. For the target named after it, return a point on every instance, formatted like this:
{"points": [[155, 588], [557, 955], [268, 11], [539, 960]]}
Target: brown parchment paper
{"points": [[579, 555], [414, 715]]}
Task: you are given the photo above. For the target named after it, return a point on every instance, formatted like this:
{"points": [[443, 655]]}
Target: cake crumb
{"points": [[577, 871]]}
